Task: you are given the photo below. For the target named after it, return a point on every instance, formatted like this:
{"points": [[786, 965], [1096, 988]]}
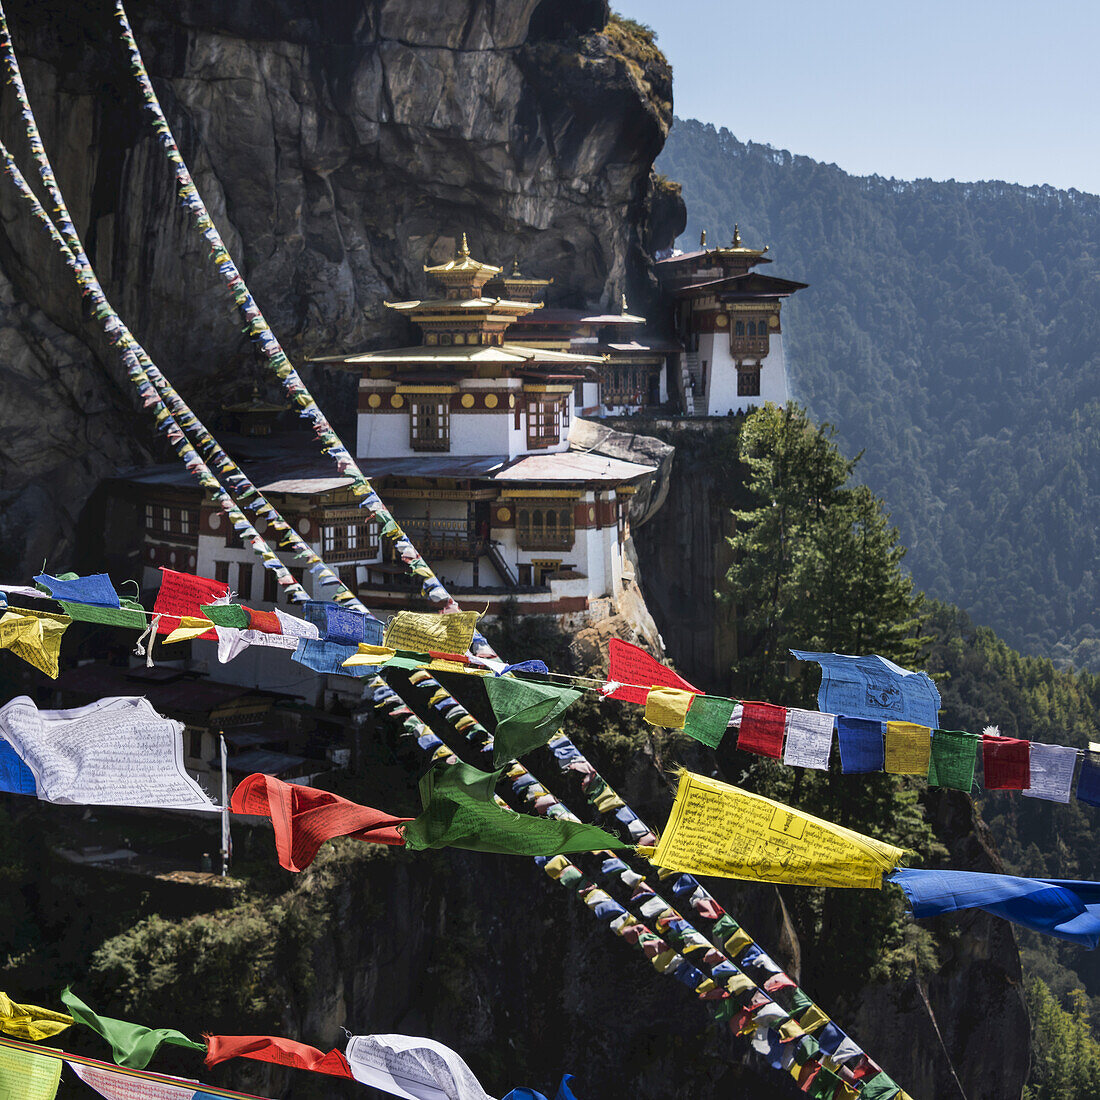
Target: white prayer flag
{"points": [[232, 642], [116, 752], [295, 627], [1051, 772], [809, 739], [413, 1068], [126, 1086]]}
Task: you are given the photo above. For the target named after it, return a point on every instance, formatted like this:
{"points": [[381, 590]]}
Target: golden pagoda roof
{"points": [[462, 264], [736, 247], [509, 354], [469, 305], [254, 405]]}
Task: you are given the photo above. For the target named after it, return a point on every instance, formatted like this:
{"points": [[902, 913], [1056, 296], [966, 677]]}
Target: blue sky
{"points": [[965, 90]]}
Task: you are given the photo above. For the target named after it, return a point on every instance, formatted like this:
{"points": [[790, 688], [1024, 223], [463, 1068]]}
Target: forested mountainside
{"points": [[952, 333]]}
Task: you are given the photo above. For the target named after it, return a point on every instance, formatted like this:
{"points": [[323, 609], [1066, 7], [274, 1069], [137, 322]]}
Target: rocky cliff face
{"points": [[339, 147]]}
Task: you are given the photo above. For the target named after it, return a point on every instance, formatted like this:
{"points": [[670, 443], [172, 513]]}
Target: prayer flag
{"points": [[708, 719], [1088, 782], [115, 752], [15, 776], [280, 1051], [667, 707], [342, 624], [952, 758], [459, 811], [635, 671], [370, 656], [528, 714], [762, 726], [30, 1022], [226, 614], [809, 739], [184, 594], [1065, 908], [132, 1045], [267, 622], [232, 642], [96, 589], [1006, 763], [189, 628], [1051, 771], [861, 748], [412, 1067], [117, 1084], [873, 687], [322, 655], [718, 829], [419, 632], [27, 1075], [35, 636], [908, 746], [304, 818], [879, 1087], [129, 614], [295, 627]]}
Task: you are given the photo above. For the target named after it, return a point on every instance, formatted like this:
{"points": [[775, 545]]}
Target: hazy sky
{"points": [[966, 89]]}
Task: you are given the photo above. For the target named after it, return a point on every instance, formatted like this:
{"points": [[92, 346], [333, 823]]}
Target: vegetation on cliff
{"points": [[951, 331]]}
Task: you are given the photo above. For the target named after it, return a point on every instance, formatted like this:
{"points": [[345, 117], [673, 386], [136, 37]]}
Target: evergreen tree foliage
{"points": [[1065, 1058], [952, 331]]}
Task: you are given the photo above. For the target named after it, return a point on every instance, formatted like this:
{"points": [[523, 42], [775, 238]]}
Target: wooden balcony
{"points": [[749, 347]]}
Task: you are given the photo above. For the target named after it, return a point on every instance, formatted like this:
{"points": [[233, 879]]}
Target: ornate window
{"points": [[543, 422], [172, 521], [430, 423], [749, 338], [347, 535], [544, 525], [748, 383]]}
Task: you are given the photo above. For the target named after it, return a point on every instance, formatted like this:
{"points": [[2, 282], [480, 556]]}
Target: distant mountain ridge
{"points": [[951, 331]]}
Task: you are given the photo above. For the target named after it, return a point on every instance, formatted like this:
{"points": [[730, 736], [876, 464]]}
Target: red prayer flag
{"points": [[807, 1074], [304, 818], [1007, 763], [777, 982], [762, 726], [267, 622], [709, 908], [273, 1048], [182, 594], [637, 672]]}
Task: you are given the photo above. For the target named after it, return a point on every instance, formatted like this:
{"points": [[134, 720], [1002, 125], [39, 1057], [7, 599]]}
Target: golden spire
{"points": [[464, 250], [703, 239], [624, 309], [736, 235], [515, 265]]}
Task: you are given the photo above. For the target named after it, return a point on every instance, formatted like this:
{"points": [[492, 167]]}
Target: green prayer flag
{"points": [[407, 662], [708, 719], [799, 1001], [879, 1087], [824, 1085], [459, 812], [808, 1047], [131, 1044], [27, 1075], [724, 927], [131, 614], [226, 614], [527, 714], [951, 761]]}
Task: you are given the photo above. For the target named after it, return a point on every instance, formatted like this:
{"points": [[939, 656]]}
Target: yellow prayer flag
{"points": [[29, 1021], [791, 1029], [555, 866], [705, 986], [718, 829], [421, 632], [608, 801], [740, 983], [668, 707], [27, 1074], [35, 636], [369, 656], [908, 747], [738, 942], [190, 627], [664, 960], [813, 1019]]}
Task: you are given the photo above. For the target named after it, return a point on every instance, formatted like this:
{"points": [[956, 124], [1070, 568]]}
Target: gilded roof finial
{"points": [[736, 235], [515, 265], [703, 239], [465, 249], [624, 309]]}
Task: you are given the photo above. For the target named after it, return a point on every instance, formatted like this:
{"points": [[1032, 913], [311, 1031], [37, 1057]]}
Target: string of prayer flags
{"points": [[809, 739], [861, 744], [28, 1075], [460, 812], [183, 594], [1050, 770], [1064, 908], [115, 752], [908, 747], [1005, 763], [34, 636], [96, 589], [304, 818], [718, 829], [668, 707], [762, 726], [275, 1049], [708, 719], [132, 1045], [528, 714], [419, 632], [412, 1067], [634, 672], [873, 687], [952, 759], [29, 1021]]}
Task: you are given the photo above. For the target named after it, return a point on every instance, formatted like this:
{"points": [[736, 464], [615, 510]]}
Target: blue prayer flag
{"points": [[1065, 908], [351, 627], [15, 776], [96, 589], [322, 655], [1088, 782], [862, 748], [873, 687]]}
